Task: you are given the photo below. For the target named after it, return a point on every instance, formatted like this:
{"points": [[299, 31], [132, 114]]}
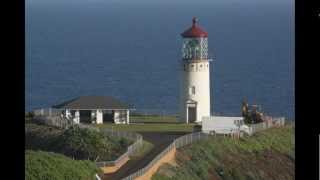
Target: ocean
{"points": [[131, 51]]}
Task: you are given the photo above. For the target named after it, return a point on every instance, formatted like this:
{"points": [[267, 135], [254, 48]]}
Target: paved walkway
{"points": [[160, 140]]}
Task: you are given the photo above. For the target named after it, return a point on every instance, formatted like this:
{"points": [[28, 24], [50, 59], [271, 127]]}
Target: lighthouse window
{"points": [[193, 90]]}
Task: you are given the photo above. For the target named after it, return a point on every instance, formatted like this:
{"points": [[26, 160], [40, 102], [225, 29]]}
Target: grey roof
{"points": [[92, 102]]}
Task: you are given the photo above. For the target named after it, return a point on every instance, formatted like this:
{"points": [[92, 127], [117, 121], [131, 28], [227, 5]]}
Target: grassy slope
{"points": [[266, 155], [45, 165]]}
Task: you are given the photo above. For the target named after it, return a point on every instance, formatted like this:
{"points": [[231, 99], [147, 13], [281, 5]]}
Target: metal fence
{"points": [[47, 112], [57, 121], [177, 143], [271, 122], [137, 138], [52, 117]]}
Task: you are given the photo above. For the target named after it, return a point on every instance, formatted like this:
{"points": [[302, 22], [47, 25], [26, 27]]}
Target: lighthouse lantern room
{"points": [[195, 75]]}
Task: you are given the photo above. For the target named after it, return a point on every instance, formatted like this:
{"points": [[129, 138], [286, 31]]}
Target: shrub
{"points": [[81, 144], [46, 165], [90, 144]]}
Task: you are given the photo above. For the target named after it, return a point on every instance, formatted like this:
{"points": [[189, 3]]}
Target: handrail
{"points": [[130, 149], [177, 143]]}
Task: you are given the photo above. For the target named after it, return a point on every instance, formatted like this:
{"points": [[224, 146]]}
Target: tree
{"points": [[245, 112], [252, 116]]}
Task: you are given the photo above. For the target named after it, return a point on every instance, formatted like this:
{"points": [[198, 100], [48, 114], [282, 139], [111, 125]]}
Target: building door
{"points": [[192, 114], [85, 116], [108, 116]]}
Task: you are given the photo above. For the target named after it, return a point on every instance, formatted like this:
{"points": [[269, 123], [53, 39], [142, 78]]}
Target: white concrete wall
{"points": [[128, 117], [93, 117], [68, 113], [197, 74], [99, 115], [116, 117], [76, 118]]}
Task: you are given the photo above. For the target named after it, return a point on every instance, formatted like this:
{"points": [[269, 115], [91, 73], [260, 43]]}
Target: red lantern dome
{"points": [[195, 31]]}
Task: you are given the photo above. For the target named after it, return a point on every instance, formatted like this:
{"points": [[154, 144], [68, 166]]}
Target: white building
{"points": [[95, 109], [195, 75]]}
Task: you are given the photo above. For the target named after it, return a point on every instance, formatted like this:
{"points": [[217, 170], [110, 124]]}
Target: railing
{"points": [[177, 143], [97, 177], [270, 122], [137, 138], [56, 121], [193, 137], [46, 112]]}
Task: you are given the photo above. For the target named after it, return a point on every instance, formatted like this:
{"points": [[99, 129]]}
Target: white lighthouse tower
{"points": [[195, 75]]}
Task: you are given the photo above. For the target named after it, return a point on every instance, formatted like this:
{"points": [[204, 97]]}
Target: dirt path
{"points": [[160, 140]]}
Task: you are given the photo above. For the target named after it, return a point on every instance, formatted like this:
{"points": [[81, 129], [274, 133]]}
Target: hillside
{"points": [[265, 155], [47, 165], [81, 144]]}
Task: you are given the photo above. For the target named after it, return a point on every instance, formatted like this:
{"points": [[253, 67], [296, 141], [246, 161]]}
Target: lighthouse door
{"points": [[192, 114]]}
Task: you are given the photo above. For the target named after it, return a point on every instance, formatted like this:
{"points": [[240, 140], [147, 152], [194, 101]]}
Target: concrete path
{"points": [[160, 140]]}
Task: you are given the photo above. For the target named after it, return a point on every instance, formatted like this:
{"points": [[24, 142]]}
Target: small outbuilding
{"points": [[95, 109]]}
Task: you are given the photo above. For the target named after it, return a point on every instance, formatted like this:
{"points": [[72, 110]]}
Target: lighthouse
{"points": [[194, 75]]}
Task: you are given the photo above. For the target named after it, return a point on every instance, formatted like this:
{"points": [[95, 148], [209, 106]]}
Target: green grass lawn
{"points": [[154, 119], [148, 127], [150, 123]]}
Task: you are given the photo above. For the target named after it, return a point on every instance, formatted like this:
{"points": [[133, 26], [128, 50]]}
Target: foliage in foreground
{"points": [[46, 165], [75, 142], [266, 155], [143, 150]]}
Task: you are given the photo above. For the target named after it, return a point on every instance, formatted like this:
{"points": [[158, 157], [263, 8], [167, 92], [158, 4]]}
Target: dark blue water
{"points": [[131, 51]]}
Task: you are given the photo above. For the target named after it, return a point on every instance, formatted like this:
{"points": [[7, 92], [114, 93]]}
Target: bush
{"points": [[40, 137], [81, 144], [46, 165], [90, 144]]}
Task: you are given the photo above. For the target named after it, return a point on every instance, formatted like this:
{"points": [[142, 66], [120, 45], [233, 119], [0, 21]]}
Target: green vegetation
{"points": [[150, 123], [29, 116], [150, 127], [153, 119], [145, 148], [46, 165], [75, 142], [251, 115], [266, 155]]}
